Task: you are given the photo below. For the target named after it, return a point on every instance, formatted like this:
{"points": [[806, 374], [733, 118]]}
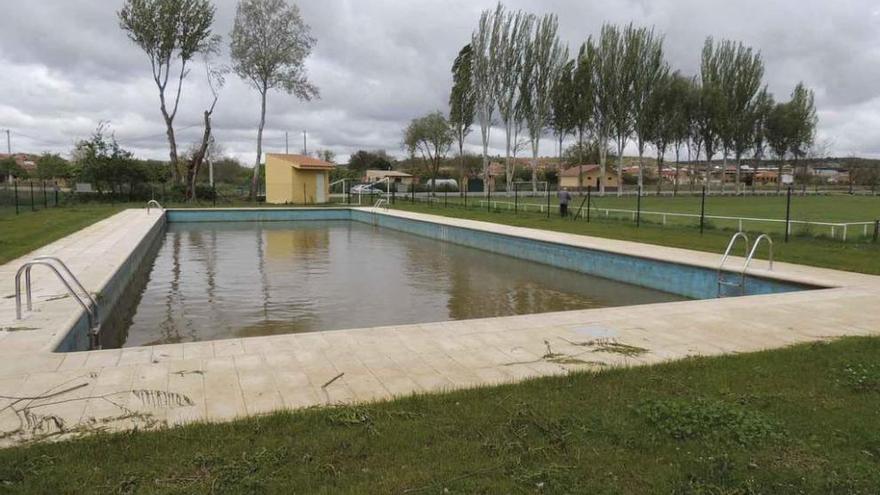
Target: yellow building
{"points": [[581, 176], [297, 179]]}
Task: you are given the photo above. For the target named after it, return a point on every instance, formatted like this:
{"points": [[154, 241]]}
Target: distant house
{"points": [[582, 176], [26, 162], [402, 180], [297, 179]]}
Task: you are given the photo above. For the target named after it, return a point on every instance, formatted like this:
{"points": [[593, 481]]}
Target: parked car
{"points": [[366, 189]]}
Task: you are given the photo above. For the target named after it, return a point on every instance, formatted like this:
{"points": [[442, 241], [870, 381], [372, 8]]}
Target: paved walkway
{"points": [[171, 384]]}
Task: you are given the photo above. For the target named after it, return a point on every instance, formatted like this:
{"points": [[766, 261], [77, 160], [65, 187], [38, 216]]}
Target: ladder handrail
{"points": [[154, 202], [380, 202], [755, 249], [730, 245], [27, 278], [70, 290]]}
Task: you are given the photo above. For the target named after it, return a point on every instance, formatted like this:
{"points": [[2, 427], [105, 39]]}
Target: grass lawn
{"points": [[808, 250], [831, 208], [21, 234], [804, 419]]}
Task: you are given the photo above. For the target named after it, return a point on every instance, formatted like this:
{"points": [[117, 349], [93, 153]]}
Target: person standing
{"points": [[564, 198]]}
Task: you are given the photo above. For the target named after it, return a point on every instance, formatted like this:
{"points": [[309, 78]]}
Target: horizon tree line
{"points": [[619, 88]]}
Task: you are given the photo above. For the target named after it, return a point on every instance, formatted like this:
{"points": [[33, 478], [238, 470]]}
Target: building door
{"points": [[319, 186]]}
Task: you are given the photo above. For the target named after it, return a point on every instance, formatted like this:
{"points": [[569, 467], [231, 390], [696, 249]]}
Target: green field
{"points": [[802, 420], [840, 208]]}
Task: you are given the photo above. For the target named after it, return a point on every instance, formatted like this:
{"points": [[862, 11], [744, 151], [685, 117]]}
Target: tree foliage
{"points": [[431, 137], [269, 45], [171, 33]]}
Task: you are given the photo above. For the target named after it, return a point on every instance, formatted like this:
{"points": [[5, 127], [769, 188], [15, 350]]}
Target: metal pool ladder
{"points": [[70, 281], [381, 203], [155, 203], [750, 254]]}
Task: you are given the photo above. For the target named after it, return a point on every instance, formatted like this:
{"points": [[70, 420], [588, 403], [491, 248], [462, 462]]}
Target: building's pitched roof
{"points": [[303, 161], [576, 170]]}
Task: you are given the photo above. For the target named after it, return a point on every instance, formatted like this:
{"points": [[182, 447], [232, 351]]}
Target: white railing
{"points": [[837, 230]]}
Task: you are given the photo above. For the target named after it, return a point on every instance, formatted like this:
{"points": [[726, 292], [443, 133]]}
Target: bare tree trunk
{"points": [[256, 176], [172, 141], [603, 159], [677, 170], [659, 172], [723, 171], [196, 162], [779, 176], [461, 185], [737, 177], [619, 167], [641, 164]]}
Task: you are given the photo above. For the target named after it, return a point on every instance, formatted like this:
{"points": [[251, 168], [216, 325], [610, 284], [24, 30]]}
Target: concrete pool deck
{"points": [[218, 380]]}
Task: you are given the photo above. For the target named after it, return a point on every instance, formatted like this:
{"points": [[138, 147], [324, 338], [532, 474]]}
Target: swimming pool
{"points": [[213, 280], [223, 273]]}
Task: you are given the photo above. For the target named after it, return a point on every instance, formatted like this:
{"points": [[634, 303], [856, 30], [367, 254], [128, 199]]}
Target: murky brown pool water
{"points": [[240, 279]]}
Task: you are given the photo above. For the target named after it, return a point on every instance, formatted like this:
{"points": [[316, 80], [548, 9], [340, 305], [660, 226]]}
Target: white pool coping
{"points": [[229, 378]]}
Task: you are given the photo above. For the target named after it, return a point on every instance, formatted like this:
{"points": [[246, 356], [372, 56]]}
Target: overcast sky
{"points": [[66, 66]]}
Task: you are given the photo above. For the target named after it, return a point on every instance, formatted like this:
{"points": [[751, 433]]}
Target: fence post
{"points": [[488, 198], [787, 213], [33, 207], [45, 196], [548, 198], [446, 196], [56, 194], [876, 230], [639, 207], [515, 198], [412, 190], [702, 210], [393, 195], [15, 195], [589, 201], [214, 195]]}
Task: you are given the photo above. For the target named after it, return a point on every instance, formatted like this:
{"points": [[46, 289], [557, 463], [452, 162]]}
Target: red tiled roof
{"points": [[576, 170], [303, 161]]}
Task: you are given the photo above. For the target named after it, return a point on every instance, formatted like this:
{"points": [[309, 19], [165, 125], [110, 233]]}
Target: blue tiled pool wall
{"points": [[689, 281], [77, 338]]}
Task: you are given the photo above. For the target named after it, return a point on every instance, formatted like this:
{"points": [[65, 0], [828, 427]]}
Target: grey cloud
{"points": [[67, 66]]}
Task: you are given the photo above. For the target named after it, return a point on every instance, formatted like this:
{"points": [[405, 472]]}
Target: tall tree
{"points": [[608, 83], [711, 116], [171, 33], [432, 137], [742, 89], [513, 42], [803, 126], [462, 100], [545, 57], [561, 105], [695, 122], [625, 64], [270, 43], [649, 83], [216, 76], [484, 44], [763, 107], [583, 98], [658, 122], [778, 131], [679, 111]]}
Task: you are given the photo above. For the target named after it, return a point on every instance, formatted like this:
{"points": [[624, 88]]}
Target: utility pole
{"points": [[305, 150], [286, 148]]}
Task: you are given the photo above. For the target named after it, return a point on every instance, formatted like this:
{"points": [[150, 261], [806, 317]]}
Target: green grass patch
{"points": [[21, 234], [781, 421]]}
